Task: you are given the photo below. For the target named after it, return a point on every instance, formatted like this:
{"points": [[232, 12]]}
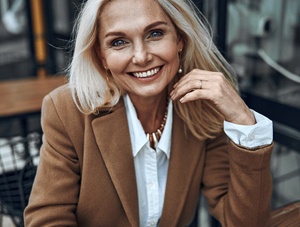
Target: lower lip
{"points": [[149, 78]]}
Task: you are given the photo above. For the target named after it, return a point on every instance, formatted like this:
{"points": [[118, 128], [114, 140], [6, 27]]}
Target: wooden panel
{"points": [[25, 96]]}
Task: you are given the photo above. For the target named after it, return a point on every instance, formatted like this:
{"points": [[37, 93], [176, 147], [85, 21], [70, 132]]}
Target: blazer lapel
{"points": [[183, 160], [113, 139]]}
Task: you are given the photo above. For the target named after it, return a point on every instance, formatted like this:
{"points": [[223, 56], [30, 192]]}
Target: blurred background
{"points": [[260, 38]]}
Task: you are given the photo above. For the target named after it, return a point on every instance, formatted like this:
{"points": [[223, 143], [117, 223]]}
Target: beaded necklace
{"points": [[154, 137]]}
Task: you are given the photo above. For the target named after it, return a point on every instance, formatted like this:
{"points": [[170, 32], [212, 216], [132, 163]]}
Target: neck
{"points": [[150, 111]]}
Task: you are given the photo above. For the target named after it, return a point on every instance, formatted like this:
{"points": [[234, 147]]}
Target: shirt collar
{"points": [[137, 134]]}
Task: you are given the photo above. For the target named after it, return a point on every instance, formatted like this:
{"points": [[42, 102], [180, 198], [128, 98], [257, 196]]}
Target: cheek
{"points": [[171, 51], [116, 62], [172, 57]]}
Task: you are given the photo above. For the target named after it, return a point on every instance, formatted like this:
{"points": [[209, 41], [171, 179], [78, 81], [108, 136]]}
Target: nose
{"points": [[141, 55]]}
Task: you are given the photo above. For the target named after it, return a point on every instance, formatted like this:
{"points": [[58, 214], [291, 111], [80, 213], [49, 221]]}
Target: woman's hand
{"points": [[213, 86]]}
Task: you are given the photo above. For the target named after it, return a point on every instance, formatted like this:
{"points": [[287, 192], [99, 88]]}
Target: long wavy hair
{"points": [[92, 90]]}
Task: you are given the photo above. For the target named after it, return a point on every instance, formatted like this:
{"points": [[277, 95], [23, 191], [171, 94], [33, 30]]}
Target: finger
{"points": [[199, 74], [192, 96], [193, 77], [186, 87]]}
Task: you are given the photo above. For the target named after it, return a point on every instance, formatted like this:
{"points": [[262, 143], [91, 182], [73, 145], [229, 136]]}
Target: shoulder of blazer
{"points": [[63, 101], [75, 123]]}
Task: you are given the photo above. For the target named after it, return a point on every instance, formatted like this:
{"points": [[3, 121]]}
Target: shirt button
{"points": [[152, 223], [152, 185]]}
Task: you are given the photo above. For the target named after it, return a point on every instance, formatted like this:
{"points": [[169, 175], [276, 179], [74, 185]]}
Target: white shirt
{"points": [[251, 136], [151, 168]]}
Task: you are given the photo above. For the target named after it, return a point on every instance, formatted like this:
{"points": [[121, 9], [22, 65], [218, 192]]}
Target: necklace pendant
{"points": [[154, 140]]}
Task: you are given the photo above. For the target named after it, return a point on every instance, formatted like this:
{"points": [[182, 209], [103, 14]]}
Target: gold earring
{"points": [[180, 69]]}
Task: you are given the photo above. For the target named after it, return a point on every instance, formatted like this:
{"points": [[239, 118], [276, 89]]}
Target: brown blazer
{"points": [[86, 174]]}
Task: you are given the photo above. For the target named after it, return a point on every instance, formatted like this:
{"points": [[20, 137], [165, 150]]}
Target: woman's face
{"points": [[139, 45]]}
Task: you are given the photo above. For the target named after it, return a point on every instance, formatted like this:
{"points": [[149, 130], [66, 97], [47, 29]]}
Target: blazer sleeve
{"points": [[56, 187], [237, 183]]}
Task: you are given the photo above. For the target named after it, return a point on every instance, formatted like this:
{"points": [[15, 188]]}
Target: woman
{"points": [[138, 131]]}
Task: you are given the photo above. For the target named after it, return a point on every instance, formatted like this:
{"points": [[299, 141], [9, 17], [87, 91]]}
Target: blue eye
{"points": [[156, 34], [117, 43]]}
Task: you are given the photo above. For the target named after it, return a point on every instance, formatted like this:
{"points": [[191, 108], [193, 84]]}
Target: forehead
{"points": [[121, 12]]}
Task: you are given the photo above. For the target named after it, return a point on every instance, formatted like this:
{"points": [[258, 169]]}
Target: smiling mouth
{"points": [[146, 74]]}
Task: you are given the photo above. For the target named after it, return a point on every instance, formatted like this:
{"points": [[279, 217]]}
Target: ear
{"points": [[180, 44], [100, 56], [103, 60]]}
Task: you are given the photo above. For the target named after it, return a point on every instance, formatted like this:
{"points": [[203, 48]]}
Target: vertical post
{"points": [[30, 37], [222, 26], [49, 20], [39, 36]]}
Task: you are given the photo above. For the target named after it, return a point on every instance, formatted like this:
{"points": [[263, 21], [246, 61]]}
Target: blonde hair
{"points": [[95, 91], [88, 81]]}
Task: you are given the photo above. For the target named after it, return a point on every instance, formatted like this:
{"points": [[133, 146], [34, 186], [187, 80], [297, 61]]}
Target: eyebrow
{"points": [[150, 26]]}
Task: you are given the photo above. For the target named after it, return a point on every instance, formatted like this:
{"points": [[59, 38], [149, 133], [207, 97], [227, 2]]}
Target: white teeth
{"points": [[147, 73]]}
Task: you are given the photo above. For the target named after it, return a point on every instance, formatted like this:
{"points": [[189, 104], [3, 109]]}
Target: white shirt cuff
{"points": [[251, 136]]}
